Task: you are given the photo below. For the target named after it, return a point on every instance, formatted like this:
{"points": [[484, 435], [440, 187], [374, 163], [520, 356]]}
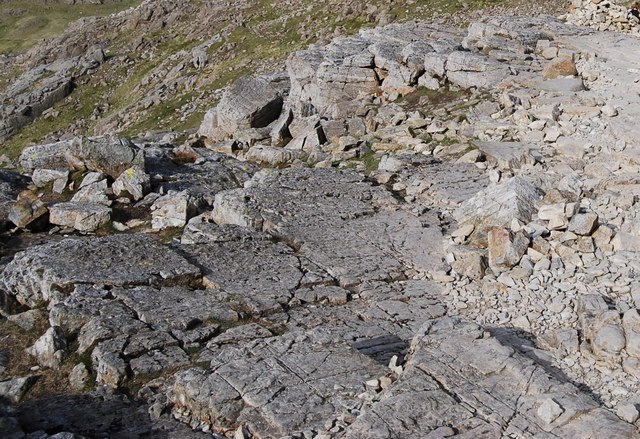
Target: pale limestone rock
{"points": [[82, 216], [505, 248], [133, 181], [50, 349]]}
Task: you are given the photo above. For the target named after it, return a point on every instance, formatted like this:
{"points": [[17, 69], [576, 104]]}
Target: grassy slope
{"points": [[24, 22], [262, 40]]}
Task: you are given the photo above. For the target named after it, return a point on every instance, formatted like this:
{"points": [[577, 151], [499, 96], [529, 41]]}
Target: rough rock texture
{"points": [[499, 204], [110, 155], [478, 385], [380, 235], [43, 273], [84, 217], [458, 260], [248, 103]]}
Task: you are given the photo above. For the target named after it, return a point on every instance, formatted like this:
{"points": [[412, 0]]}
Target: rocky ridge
{"points": [[415, 230]]}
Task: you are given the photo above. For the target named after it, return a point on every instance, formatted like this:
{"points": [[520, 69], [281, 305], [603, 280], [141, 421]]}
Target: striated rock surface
{"points": [[416, 231]]}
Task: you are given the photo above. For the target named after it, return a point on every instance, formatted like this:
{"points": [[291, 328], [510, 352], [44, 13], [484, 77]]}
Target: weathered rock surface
{"points": [[479, 385], [110, 155], [500, 204], [453, 262], [43, 273], [84, 217], [383, 240], [248, 103]]}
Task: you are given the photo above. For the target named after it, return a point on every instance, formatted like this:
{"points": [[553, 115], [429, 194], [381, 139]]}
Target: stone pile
{"points": [[603, 15], [416, 231]]}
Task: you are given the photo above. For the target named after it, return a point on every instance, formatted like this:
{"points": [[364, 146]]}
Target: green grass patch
{"points": [[24, 22], [77, 106]]}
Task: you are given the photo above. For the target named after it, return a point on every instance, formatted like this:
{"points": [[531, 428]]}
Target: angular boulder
{"points": [[499, 204], [82, 216], [467, 69], [250, 102]]}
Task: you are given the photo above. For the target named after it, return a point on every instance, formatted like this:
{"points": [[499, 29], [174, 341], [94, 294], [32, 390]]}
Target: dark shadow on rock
{"points": [[523, 342], [382, 349], [98, 415]]}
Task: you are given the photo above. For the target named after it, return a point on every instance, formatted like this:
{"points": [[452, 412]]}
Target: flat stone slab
{"points": [[508, 155], [260, 275], [85, 217], [563, 85], [47, 272], [432, 182], [460, 380], [177, 307], [276, 385], [338, 221]]}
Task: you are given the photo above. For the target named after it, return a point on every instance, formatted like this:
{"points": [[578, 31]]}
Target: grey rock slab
{"points": [[158, 360], [434, 182], [42, 177], [459, 376], [91, 304], [260, 275], [368, 237], [276, 157], [467, 69], [202, 180], [249, 102], [173, 210], [108, 362], [202, 230], [95, 192], [277, 385], [326, 85], [103, 328], [175, 307], [47, 156], [44, 272], [583, 223], [563, 85], [110, 155], [507, 155], [82, 216], [14, 389]]}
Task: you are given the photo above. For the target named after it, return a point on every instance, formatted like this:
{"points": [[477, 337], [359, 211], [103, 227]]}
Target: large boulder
{"points": [[82, 216], [109, 154], [498, 205], [249, 102]]}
